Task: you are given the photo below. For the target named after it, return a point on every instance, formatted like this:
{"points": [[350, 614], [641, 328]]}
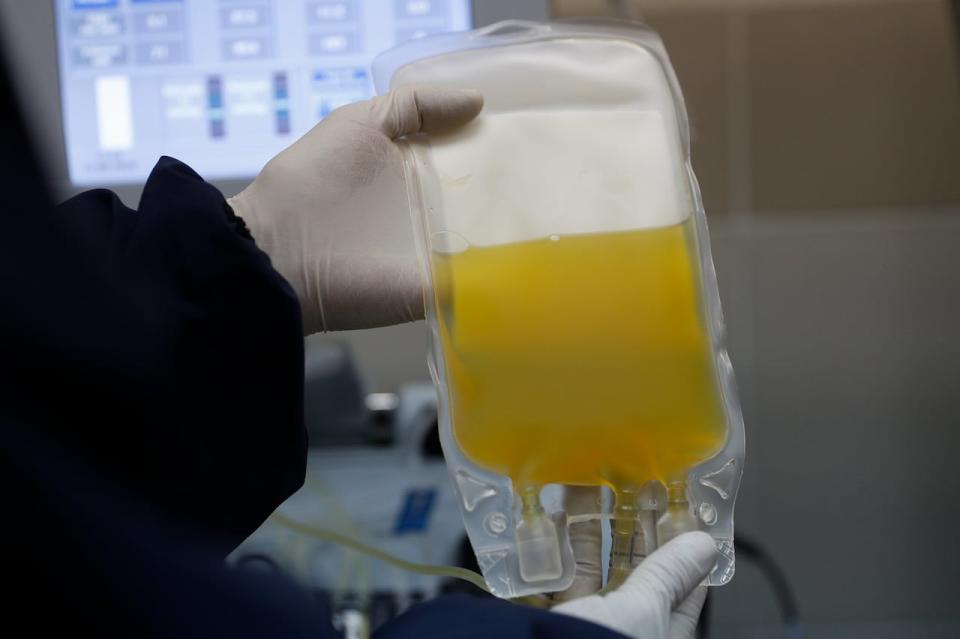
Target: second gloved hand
{"points": [[661, 599], [331, 210]]}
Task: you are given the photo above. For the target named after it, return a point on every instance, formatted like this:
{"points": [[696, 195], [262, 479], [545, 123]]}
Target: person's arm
{"points": [[161, 347]]}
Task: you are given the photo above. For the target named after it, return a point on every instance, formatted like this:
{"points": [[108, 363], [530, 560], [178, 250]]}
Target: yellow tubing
{"points": [[353, 563], [339, 538]]}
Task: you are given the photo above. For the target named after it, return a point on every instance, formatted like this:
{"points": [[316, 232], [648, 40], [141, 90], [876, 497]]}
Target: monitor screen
{"points": [[221, 84]]}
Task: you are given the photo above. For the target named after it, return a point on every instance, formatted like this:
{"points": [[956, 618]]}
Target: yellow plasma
{"points": [[580, 359]]}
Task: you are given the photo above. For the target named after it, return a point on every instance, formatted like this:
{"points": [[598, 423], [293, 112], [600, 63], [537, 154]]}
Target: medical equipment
{"points": [[376, 525], [577, 337], [223, 86]]}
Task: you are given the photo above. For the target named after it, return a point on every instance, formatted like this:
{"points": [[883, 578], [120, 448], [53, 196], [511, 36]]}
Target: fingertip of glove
{"points": [[447, 108], [471, 97], [698, 546], [466, 105], [463, 95], [473, 102]]}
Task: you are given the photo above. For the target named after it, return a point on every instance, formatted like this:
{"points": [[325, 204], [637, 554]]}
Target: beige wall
{"points": [[802, 105]]}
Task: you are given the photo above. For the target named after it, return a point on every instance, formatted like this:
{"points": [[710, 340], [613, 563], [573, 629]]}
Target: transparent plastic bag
{"points": [[575, 324]]}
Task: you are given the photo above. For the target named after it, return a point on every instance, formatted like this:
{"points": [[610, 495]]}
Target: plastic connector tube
{"points": [[628, 543], [538, 545], [677, 519]]}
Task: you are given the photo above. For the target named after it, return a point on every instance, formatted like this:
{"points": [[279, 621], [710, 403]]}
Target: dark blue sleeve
{"points": [[467, 617], [170, 354], [80, 560]]}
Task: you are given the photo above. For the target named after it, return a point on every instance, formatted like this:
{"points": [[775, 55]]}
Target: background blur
{"points": [[826, 138]]}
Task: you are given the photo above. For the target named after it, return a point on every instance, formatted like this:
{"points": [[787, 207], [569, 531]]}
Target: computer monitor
{"points": [[220, 84]]}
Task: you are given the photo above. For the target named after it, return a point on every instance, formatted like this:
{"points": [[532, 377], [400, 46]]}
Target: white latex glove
{"points": [[331, 210], [661, 599]]}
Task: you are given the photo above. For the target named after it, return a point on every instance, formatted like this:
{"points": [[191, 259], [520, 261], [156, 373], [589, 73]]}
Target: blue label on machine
{"points": [[94, 4], [415, 512]]}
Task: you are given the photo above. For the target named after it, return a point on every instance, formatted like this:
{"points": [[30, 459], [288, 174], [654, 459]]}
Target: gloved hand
{"points": [[331, 210], [660, 600]]}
